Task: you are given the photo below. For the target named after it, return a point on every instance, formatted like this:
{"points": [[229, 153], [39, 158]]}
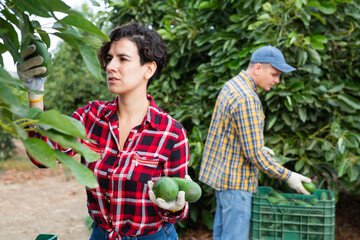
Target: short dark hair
{"points": [[151, 46]]}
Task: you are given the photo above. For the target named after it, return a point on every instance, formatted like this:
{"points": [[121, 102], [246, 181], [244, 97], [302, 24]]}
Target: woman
{"points": [[139, 142]]}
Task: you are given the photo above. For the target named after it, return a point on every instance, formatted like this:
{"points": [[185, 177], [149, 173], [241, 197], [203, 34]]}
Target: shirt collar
{"points": [[244, 75], [152, 117]]}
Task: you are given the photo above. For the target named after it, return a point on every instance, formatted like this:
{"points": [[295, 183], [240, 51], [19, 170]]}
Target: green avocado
{"points": [[166, 188], [41, 50], [324, 196], [310, 187], [192, 189], [277, 195]]}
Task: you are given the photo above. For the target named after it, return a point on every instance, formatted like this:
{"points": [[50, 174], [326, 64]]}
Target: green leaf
{"points": [[67, 141], [337, 88], [10, 17], [271, 121], [20, 131], [312, 145], [5, 77], [33, 7], [326, 146], [299, 165], [44, 37], [204, 4], [354, 173], [82, 174], [9, 98], [79, 21], [56, 6], [208, 219], [255, 25], [319, 38], [343, 167], [235, 18], [327, 7], [34, 113], [41, 152], [341, 145], [298, 4], [264, 17], [267, 7], [316, 45], [63, 124], [315, 55], [288, 103], [90, 58], [296, 86], [322, 20], [69, 39], [95, 3], [302, 113], [10, 31], [335, 130], [349, 100]]}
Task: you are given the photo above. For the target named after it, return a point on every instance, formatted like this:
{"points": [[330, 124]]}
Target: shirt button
{"points": [[130, 140], [108, 176], [108, 200]]}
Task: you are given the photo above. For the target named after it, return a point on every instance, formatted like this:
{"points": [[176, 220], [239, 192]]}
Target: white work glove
{"points": [[173, 206], [268, 150], [27, 72], [295, 182]]}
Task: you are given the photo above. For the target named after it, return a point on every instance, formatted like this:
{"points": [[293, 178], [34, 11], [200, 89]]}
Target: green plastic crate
{"points": [[295, 222], [46, 237]]}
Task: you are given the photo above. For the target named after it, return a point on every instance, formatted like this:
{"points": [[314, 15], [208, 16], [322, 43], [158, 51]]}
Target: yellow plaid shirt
{"points": [[233, 152]]}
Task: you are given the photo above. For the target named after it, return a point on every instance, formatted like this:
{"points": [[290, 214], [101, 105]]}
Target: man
{"points": [[234, 150]]}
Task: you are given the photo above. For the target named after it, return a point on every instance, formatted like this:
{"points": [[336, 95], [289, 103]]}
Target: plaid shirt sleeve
{"points": [[248, 116]]}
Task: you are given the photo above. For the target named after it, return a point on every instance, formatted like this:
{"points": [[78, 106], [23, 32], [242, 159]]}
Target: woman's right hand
{"points": [[28, 70]]}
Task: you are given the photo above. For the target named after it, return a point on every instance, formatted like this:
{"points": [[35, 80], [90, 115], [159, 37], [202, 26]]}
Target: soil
{"points": [[37, 201]]}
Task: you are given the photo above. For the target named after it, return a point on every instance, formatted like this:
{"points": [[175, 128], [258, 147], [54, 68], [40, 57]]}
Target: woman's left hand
{"points": [[174, 206]]}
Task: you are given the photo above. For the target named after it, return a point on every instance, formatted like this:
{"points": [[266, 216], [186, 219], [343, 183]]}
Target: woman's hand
{"points": [[173, 206], [28, 70]]}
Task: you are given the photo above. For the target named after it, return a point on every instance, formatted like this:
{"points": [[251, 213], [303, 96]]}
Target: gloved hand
{"points": [[295, 182], [27, 72], [173, 206], [268, 150]]}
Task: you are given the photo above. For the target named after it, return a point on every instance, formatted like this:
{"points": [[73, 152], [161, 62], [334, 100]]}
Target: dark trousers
{"points": [[168, 232]]}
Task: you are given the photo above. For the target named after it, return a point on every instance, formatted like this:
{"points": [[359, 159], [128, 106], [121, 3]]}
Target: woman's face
{"points": [[124, 72]]}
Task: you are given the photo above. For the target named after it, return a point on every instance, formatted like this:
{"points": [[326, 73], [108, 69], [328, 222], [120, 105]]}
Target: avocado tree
{"points": [[19, 27]]}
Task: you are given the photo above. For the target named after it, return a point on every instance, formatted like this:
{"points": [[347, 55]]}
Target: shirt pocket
{"points": [[142, 168]]}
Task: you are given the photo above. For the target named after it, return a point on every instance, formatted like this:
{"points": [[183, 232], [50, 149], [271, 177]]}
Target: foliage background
{"points": [[312, 116]]}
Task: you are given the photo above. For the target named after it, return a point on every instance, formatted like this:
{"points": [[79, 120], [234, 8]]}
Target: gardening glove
{"points": [[268, 150], [173, 206], [27, 72], [295, 181]]}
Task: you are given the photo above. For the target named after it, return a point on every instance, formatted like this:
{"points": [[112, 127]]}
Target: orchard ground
{"points": [[34, 201]]}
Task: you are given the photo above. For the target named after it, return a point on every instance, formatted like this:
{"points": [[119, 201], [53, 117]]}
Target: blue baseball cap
{"points": [[273, 56]]}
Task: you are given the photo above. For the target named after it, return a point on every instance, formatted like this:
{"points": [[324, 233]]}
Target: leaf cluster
{"points": [[19, 26]]}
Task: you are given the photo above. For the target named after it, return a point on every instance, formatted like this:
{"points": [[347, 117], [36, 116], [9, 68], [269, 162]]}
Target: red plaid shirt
{"points": [[158, 147]]}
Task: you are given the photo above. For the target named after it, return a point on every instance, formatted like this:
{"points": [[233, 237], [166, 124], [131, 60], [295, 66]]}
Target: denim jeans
{"points": [[166, 233], [232, 216]]}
